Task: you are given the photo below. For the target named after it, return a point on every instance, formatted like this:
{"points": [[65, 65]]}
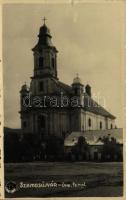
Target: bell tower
{"points": [[45, 54], [45, 60]]}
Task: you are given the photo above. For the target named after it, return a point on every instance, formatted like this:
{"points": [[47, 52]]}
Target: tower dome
{"points": [[77, 86], [24, 88], [44, 38], [77, 80], [44, 31]]}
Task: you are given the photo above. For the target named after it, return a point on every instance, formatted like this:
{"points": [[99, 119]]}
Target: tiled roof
{"points": [[62, 87], [93, 136], [92, 106], [65, 87]]}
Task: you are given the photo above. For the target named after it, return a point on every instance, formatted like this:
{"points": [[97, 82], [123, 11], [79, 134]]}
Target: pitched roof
{"points": [[92, 106], [93, 136], [62, 87], [65, 87]]}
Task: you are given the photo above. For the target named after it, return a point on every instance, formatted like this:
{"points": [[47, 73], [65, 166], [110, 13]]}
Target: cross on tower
{"points": [[44, 19]]}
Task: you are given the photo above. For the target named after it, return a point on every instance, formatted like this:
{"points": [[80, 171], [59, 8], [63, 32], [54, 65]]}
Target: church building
{"points": [[63, 119]]}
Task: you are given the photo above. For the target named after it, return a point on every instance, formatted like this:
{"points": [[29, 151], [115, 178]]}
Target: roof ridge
{"points": [[98, 107]]}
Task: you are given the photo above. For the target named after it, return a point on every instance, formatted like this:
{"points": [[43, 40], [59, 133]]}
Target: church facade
{"points": [[75, 111]]}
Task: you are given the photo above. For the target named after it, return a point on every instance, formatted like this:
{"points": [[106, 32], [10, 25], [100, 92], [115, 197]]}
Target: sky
{"points": [[89, 40]]}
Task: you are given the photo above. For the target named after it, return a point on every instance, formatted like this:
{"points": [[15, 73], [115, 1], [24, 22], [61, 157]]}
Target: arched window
{"points": [[40, 61], [76, 91], [111, 126], [89, 122], [53, 62], [100, 125]]}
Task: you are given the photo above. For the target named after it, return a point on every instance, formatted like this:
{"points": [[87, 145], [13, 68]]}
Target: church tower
{"points": [[78, 92], [45, 62], [37, 120]]}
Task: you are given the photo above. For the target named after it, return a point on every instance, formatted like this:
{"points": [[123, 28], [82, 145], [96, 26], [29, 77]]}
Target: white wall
{"points": [[95, 121]]}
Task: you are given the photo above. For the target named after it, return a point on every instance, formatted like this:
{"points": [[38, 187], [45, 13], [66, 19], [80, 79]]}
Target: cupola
{"points": [[77, 86], [77, 80], [24, 88]]}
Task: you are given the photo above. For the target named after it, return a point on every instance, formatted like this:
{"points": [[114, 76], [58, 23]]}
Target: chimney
{"points": [[88, 90]]}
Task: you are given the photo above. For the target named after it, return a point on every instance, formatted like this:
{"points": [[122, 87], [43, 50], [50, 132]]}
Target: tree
{"points": [[111, 148], [81, 148]]}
